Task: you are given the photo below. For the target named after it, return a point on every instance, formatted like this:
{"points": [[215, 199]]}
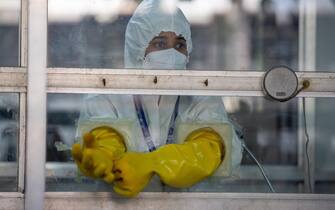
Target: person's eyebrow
{"points": [[159, 37], [181, 38]]}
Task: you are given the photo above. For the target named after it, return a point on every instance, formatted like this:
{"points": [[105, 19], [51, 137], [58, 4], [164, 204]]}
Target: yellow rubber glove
{"points": [[178, 165], [186, 164], [95, 157], [132, 173]]}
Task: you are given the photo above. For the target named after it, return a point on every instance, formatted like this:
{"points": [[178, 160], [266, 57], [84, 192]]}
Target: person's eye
{"points": [[180, 46], [159, 44]]}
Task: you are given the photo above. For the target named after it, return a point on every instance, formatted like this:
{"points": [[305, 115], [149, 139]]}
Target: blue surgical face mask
{"points": [[165, 59]]}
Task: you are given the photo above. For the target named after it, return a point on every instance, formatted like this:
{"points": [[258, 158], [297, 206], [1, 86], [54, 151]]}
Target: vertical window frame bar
{"points": [[23, 36], [23, 43], [36, 105], [307, 62], [22, 141]]}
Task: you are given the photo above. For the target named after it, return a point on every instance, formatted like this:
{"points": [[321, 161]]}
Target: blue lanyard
{"points": [[144, 123], [169, 139]]}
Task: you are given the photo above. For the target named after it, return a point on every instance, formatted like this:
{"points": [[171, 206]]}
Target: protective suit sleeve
{"points": [[178, 165], [208, 110], [96, 155]]}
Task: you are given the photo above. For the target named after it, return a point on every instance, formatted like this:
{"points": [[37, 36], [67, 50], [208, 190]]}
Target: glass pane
{"points": [[230, 35], [9, 132], [325, 145], [9, 32], [324, 119], [325, 36], [269, 129]]}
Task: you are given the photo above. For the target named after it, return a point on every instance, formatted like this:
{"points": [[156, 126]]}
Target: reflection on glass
{"points": [[63, 113], [269, 129], [325, 145], [236, 35], [9, 115], [9, 32], [232, 35], [324, 108], [271, 125], [325, 41]]}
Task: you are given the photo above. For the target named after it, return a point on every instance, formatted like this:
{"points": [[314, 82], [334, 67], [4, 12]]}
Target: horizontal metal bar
{"points": [[13, 70], [116, 81], [179, 92], [203, 72], [145, 80], [144, 195], [13, 89], [163, 92], [11, 195], [104, 200], [230, 83], [11, 200], [194, 201], [13, 79]]}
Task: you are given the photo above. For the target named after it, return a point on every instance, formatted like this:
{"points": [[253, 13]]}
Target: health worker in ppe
{"points": [[133, 138]]}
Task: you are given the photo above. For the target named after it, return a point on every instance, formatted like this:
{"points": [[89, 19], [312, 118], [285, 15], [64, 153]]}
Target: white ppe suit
{"points": [[148, 21]]}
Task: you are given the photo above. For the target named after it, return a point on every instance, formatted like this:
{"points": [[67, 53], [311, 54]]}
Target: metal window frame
{"points": [[35, 144], [23, 63], [196, 201], [131, 81], [65, 80], [307, 61]]}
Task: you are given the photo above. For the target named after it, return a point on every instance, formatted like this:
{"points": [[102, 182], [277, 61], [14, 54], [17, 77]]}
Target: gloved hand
{"points": [[178, 165], [95, 157], [132, 173]]}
